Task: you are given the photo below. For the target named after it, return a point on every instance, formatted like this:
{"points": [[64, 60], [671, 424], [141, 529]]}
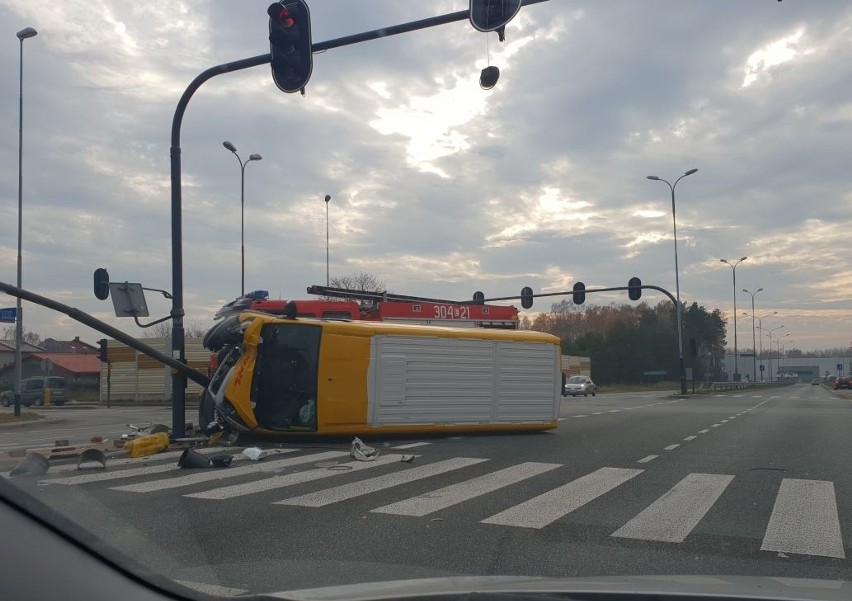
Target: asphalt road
{"points": [[746, 483]]}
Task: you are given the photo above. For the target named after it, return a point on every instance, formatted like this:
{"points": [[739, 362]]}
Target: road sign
{"points": [[8, 315], [490, 15], [839, 367], [762, 367]]}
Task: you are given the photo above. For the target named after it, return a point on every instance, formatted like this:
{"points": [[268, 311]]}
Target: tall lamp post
{"points": [[734, 269], [252, 157], [760, 327], [753, 337], [677, 278], [25, 33], [327, 199], [770, 348]]}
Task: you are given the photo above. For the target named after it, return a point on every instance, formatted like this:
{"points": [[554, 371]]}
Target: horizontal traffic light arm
{"points": [[587, 291]]}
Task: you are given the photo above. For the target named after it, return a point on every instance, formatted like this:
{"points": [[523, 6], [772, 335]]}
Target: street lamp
{"points": [[677, 277], [760, 327], [252, 157], [327, 199], [753, 338], [25, 33], [770, 348], [734, 269]]}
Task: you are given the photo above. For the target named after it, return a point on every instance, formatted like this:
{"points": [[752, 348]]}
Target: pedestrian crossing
{"points": [[804, 519]]}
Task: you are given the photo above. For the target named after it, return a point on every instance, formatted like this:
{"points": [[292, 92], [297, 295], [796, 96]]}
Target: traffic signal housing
{"points": [[290, 44], [102, 350], [634, 288], [101, 281], [579, 295], [526, 297]]}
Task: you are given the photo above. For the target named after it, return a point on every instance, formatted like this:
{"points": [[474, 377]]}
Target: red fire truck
{"points": [[378, 306]]}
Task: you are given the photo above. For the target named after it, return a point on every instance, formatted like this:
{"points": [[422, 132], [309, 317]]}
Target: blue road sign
{"points": [[8, 315], [762, 367], [839, 367]]}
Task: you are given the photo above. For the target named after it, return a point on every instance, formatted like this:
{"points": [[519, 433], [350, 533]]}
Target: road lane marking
{"points": [[674, 515], [561, 419], [613, 410], [454, 494], [647, 458], [213, 589], [671, 447], [715, 425], [580, 415], [328, 496], [412, 445], [231, 472], [546, 508], [89, 476], [804, 520], [705, 431], [688, 438], [598, 413]]}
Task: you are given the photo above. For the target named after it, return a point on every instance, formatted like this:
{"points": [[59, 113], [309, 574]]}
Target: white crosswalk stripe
{"points": [[804, 520], [285, 480], [546, 508], [231, 472], [673, 516], [454, 494], [363, 487]]}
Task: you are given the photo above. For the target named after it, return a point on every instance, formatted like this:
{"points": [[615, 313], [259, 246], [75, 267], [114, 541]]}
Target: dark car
{"points": [[33, 392]]}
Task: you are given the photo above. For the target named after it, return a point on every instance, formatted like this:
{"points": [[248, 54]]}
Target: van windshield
{"points": [[285, 382]]}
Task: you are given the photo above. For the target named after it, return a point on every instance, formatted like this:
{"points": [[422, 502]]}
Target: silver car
{"points": [[579, 385]]}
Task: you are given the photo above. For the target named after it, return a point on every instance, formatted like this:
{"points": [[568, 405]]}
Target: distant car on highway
{"points": [[815, 382], [579, 385], [33, 392]]}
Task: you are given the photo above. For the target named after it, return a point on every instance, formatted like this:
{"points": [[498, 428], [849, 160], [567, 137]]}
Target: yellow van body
{"points": [[300, 376]]}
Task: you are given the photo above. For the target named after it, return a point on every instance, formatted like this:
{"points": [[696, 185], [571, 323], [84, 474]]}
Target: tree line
{"points": [[626, 341]]}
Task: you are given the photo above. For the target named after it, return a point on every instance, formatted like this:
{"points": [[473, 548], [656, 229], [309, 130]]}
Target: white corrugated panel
{"points": [[449, 380]]}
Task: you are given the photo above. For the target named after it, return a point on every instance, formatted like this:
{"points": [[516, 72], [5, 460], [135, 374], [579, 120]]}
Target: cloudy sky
{"points": [[439, 187]]}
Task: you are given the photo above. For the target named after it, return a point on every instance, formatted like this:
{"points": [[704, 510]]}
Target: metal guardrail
{"points": [[711, 386]]}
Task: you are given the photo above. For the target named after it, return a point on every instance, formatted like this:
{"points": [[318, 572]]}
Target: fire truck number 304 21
{"points": [[452, 312]]}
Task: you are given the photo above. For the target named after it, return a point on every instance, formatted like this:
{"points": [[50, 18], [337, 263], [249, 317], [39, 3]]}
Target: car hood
{"points": [[740, 587]]}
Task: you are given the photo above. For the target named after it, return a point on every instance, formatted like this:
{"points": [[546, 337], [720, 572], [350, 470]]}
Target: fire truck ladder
{"points": [[378, 296]]}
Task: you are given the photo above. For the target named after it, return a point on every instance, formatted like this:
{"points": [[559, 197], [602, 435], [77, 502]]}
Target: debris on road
{"points": [[33, 464], [92, 456], [362, 452], [147, 445], [190, 459]]}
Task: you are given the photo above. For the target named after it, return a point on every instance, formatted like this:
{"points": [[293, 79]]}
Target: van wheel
{"points": [[594, 392]]}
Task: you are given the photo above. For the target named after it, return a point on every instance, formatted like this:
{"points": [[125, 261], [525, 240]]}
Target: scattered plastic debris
{"points": [[157, 428], [362, 452], [407, 458], [33, 464], [190, 459], [92, 456], [221, 460], [135, 431], [256, 453], [96, 439], [147, 445]]}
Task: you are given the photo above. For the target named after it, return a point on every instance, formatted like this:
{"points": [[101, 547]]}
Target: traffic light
{"points": [[101, 284], [635, 288], [478, 298], [579, 295], [490, 15], [526, 297], [102, 350], [290, 44]]}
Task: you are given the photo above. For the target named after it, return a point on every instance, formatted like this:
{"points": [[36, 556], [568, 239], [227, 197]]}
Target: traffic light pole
{"points": [[177, 313], [681, 364]]}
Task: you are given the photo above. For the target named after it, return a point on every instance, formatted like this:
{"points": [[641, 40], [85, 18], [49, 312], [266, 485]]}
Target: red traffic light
{"points": [[281, 15]]}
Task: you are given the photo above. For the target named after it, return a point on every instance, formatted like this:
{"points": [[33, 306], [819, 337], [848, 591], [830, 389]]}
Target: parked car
{"points": [[579, 385], [33, 392], [841, 382]]}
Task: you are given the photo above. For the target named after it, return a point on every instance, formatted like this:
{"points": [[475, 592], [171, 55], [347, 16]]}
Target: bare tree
{"points": [[28, 337], [359, 281], [164, 330]]}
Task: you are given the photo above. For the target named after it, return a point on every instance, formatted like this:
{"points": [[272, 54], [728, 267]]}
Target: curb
{"points": [[31, 422]]}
